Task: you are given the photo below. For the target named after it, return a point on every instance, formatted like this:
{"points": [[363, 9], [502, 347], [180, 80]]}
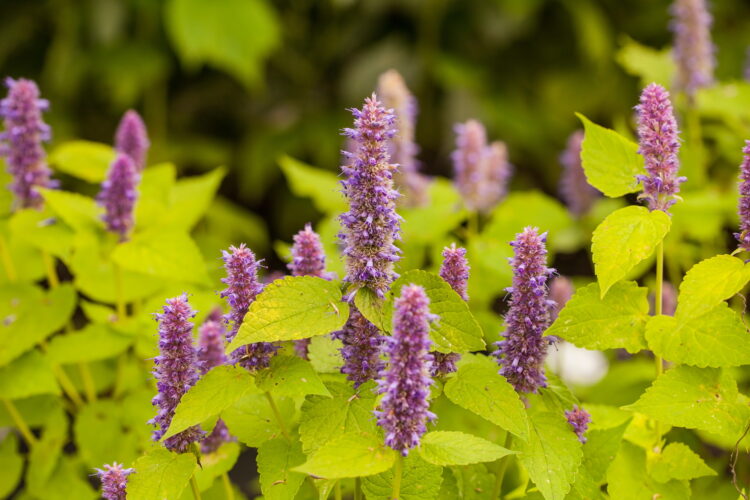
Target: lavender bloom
{"points": [[403, 150], [560, 292], [371, 225], [659, 144], [131, 138], [444, 363], [497, 172], [118, 196], [693, 50], [743, 237], [21, 142], [746, 72], [404, 410], [455, 271], [578, 194], [521, 355], [175, 371], [579, 419], [211, 337], [362, 345], [114, 481], [242, 287]]}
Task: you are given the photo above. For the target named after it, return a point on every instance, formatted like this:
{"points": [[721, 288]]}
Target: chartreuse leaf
{"points": [[610, 161], [94, 342], [276, 459], [29, 375], [616, 321], [695, 398], [102, 437], [154, 194], [40, 230], [44, 457], [419, 481], [290, 376], [323, 187], [458, 448], [677, 461], [551, 454], [473, 482], [478, 387], [216, 463], [190, 198], [716, 338], [628, 478], [77, 211], [214, 392], [252, 421], [710, 282], [647, 63], [66, 482], [600, 449], [295, 307], [11, 463], [625, 238], [160, 475], [86, 160], [324, 354], [352, 454], [432, 221]]}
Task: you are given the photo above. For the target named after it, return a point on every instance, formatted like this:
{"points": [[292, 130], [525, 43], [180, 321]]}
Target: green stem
{"points": [[658, 310], [357, 488], [119, 294], [279, 418], [49, 267], [502, 467], [194, 487], [88, 381], [10, 269], [398, 468], [20, 422], [67, 385], [337, 490], [228, 490]]}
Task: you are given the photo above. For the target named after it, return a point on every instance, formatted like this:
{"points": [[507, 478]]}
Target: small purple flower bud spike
{"points": [[659, 144], [743, 237], [362, 347], [211, 340], [693, 49], [579, 419], [114, 481], [131, 138], [21, 142], [118, 196], [560, 292], [175, 369], [521, 355], [455, 271], [578, 194], [405, 383]]}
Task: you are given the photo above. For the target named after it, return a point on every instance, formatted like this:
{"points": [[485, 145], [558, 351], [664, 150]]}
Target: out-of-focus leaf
{"points": [[29, 375], [11, 463], [628, 478], [276, 458], [86, 160], [160, 474], [322, 186], [91, 343], [42, 231], [101, 436], [420, 480], [649, 64]]}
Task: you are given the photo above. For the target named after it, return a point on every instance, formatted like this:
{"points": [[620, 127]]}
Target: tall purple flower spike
{"points": [[131, 138], [118, 196], [175, 369], [114, 479], [743, 237], [693, 49], [362, 345], [455, 271], [560, 292], [21, 142], [371, 225], [242, 288], [659, 145], [578, 194], [405, 384], [403, 149], [521, 355], [211, 340], [579, 419]]}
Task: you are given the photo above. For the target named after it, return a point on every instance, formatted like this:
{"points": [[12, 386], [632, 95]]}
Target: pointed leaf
{"points": [[677, 461], [290, 376], [710, 282], [29, 375], [350, 455], [419, 481], [458, 448], [276, 458], [160, 475]]}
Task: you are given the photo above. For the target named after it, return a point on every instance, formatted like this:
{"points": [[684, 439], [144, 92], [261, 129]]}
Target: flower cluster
{"points": [[693, 50], [743, 237], [578, 194], [455, 271], [579, 419], [131, 138], [521, 355], [118, 196], [405, 383], [114, 481], [211, 336], [362, 345]]}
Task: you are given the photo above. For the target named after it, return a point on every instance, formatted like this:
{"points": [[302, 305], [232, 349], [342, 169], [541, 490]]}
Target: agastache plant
{"points": [[362, 345], [693, 49], [405, 383], [743, 237], [211, 341], [455, 271], [21, 142], [521, 354], [578, 194], [579, 419], [118, 196], [114, 479], [131, 138]]}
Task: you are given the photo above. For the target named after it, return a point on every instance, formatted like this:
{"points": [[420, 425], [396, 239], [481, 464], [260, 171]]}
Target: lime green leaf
{"points": [[322, 186], [29, 375], [431, 222], [190, 200], [44, 457], [92, 343], [695, 398], [214, 392], [625, 238], [160, 475], [40, 231], [324, 354], [475, 482], [66, 481], [478, 387], [77, 211], [350, 455], [649, 64], [677, 461], [616, 321], [276, 458], [419, 481], [253, 422], [290, 376], [154, 194], [458, 448], [609, 160], [717, 338], [86, 160], [710, 282], [599, 451], [11, 463], [101, 436], [295, 307], [629, 480], [216, 463]]}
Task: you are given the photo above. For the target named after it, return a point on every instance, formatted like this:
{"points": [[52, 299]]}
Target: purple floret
{"points": [[118, 196], [743, 237], [693, 49], [575, 189], [362, 345], [579, 419], [114, 481], [455, 271], [131, 138]]}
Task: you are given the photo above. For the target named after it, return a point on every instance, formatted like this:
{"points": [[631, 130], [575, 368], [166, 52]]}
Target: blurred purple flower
{"points": [[131, 138], [693, 49], [114, 481], [578, 194], [455, 271], [579, 419], [118, 196], [560, 291], [743, 237]]}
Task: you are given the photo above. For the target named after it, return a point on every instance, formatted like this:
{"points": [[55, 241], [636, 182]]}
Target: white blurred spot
{"points": [[575, 365]]}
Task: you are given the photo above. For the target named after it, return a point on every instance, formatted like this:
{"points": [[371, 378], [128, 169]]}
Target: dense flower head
{"points": [[455, 269], [114, 479], [743, 237], [175, 369], [308, 257], [579, 419], [521, 354], [118, 196], [131, 138], [693, 49], [403, 149], [560, 291], [444, 363], [362, 345], [578, 194], [405, 382], [371, 225], [659, 144], [21, 142]]}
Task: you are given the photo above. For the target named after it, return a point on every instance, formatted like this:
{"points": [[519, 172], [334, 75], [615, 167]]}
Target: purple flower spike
{"points": [[444, 363], [560, 292], [118, 196], [579, 419], [521, 355], [114, 481], [175, 369], [131, 138], [362, 346], [242, 287], [659, 144], [403, 150], [21, 142], [743, 237], [455, 270], [693, 50], [578, 194], [371, 225], [405, 384]]}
